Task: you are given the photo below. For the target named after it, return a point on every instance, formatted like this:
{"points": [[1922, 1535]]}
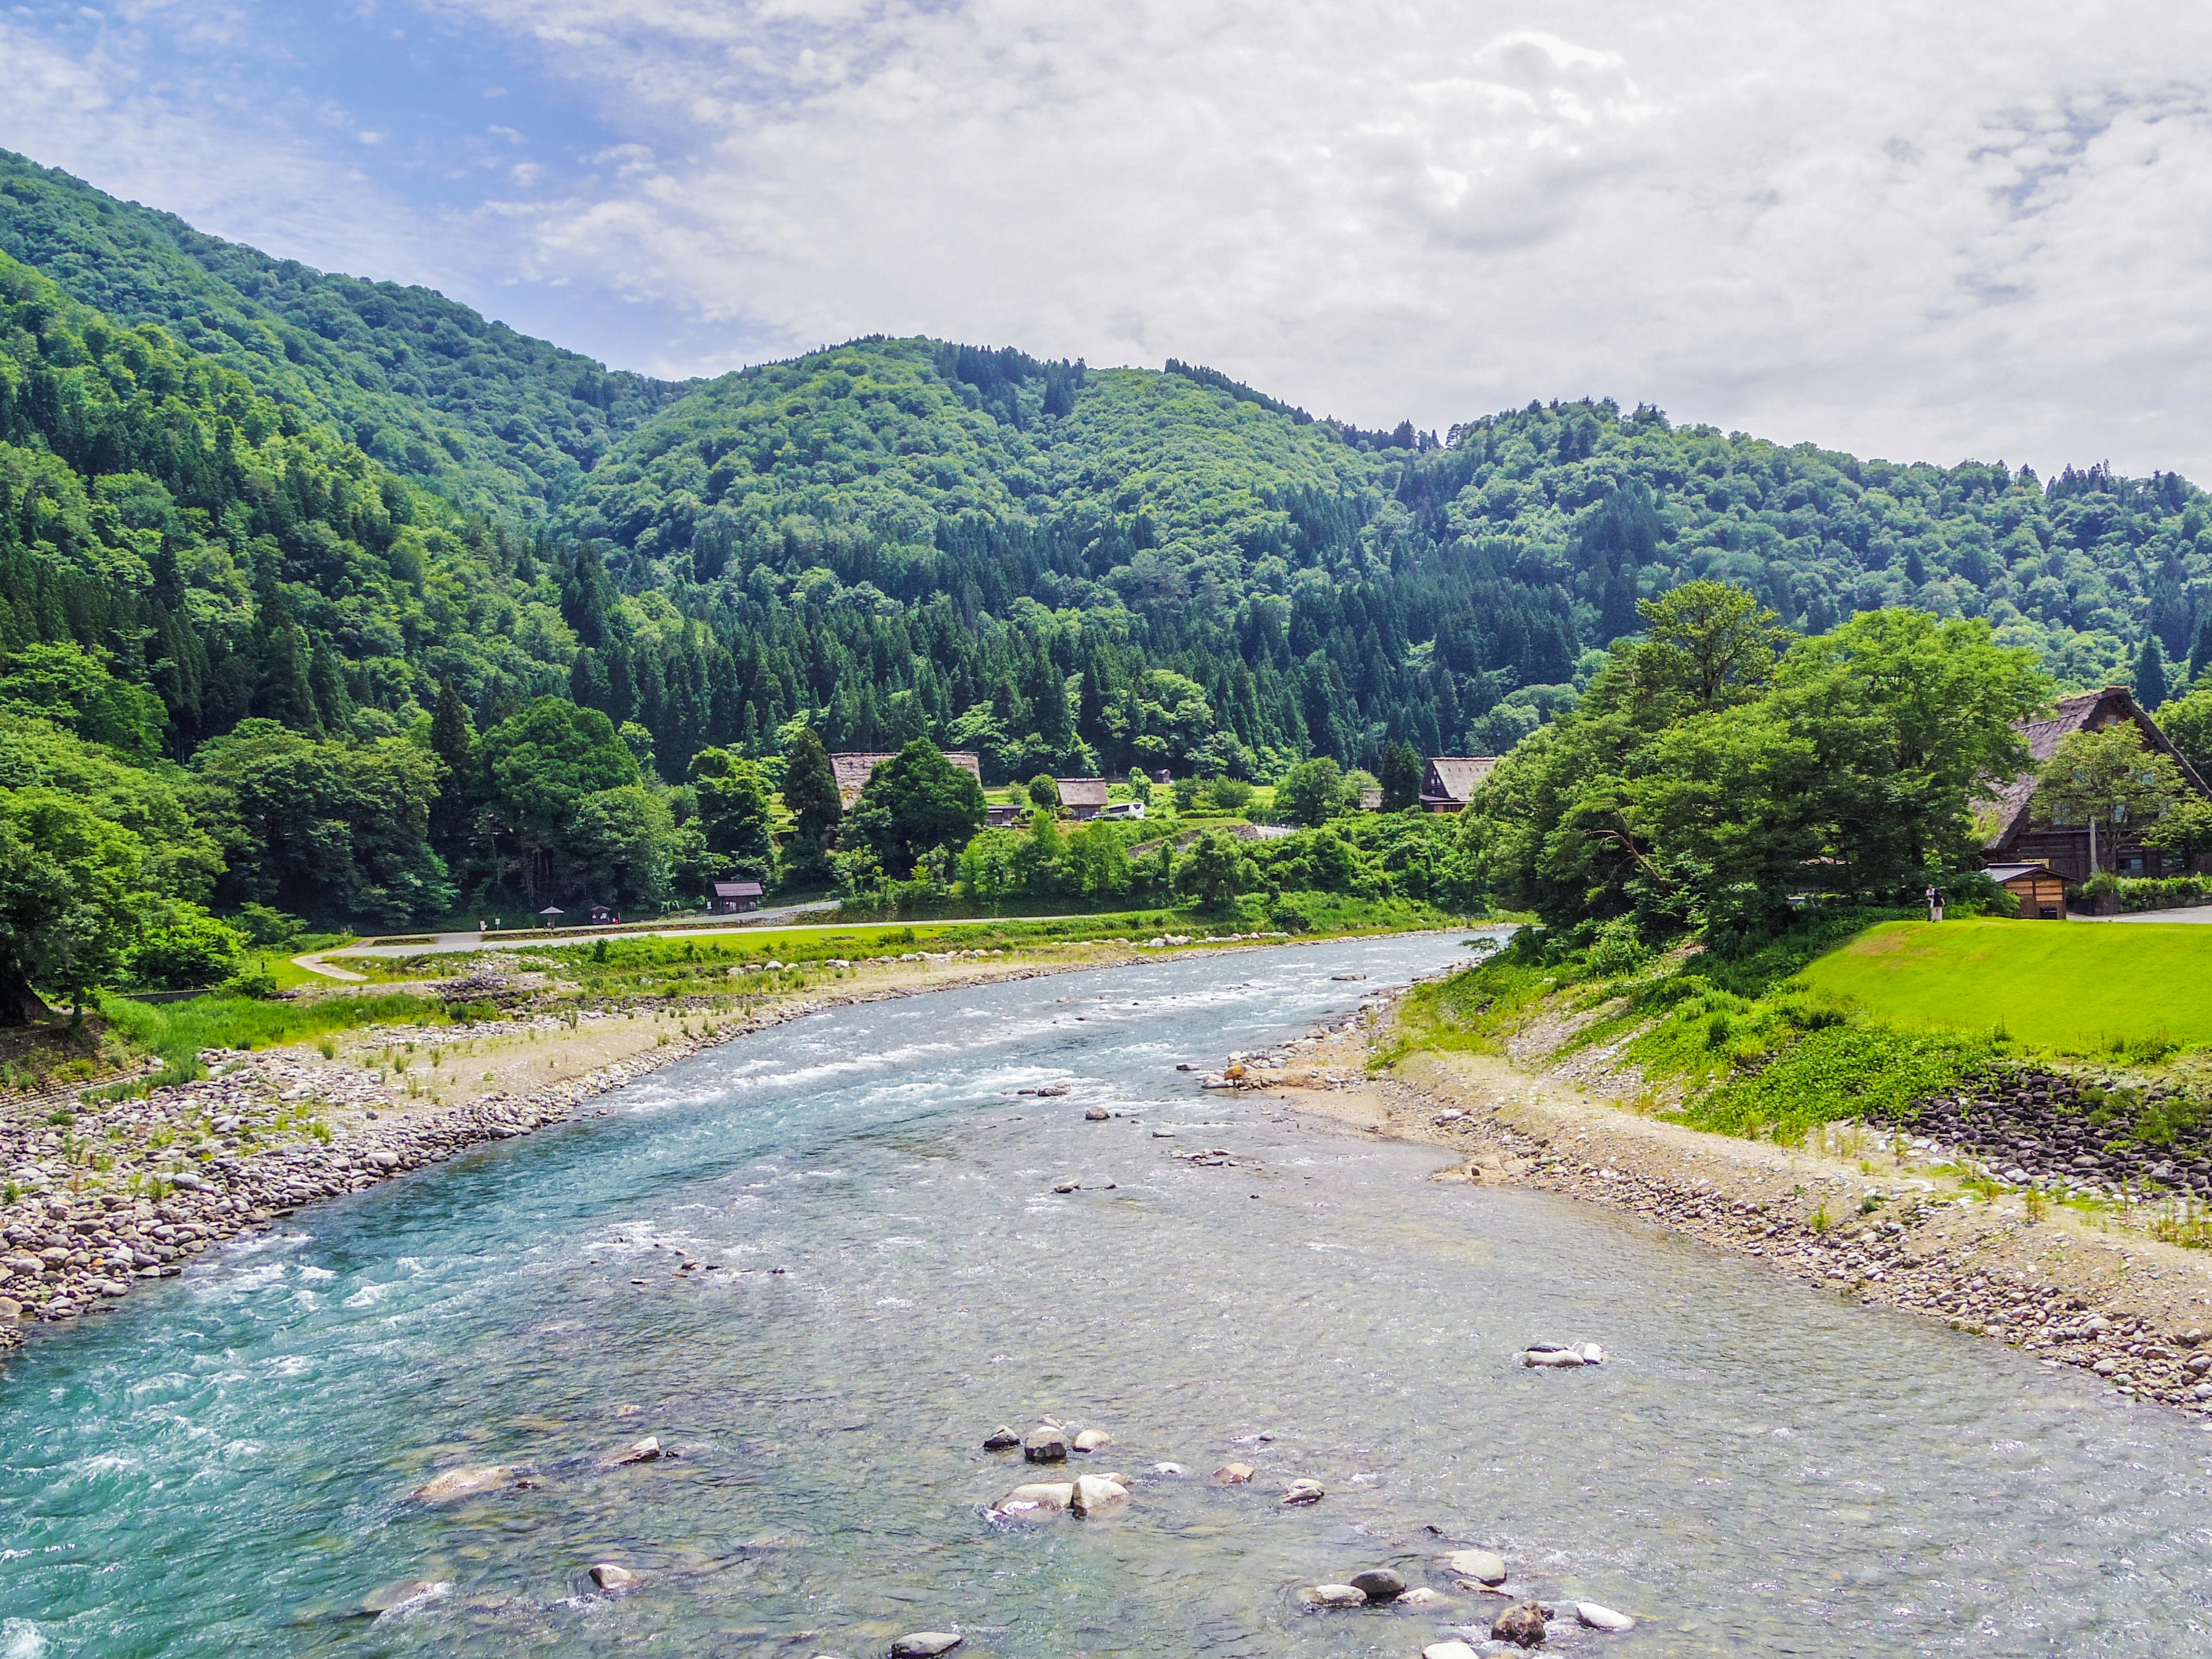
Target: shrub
{"points": [[187, 949]]}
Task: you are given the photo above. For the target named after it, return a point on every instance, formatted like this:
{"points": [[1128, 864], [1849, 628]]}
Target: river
{"points": [[222, 1466]]}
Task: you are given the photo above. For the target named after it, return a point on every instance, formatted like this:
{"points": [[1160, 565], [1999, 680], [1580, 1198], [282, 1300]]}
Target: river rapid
{"points": [[221, 1467]]}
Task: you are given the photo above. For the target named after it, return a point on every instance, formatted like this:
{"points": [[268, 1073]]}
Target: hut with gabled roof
{"points": [[1452, 780], [2014, 836]]}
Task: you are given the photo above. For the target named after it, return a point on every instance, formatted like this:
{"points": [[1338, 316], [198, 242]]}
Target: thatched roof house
{"points": [[1452, 780], [2013, 833], [852, 770], [1084, 798]]}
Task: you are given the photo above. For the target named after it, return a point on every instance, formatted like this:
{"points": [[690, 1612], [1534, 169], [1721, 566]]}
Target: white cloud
{"points": [[1908, 230]]}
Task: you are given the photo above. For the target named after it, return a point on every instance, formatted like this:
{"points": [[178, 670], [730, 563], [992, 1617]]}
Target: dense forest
{"points": [[326, 563]]}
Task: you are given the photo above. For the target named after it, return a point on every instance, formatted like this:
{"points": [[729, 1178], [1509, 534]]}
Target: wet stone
{"points": [[1379, 1583], [1045, 1444], [1001, 1439], [1333, 1596], [924, 1644], [1484, 1567], [1601, 1618], [1233, 1475], [1304, 1491], [1522, 1624]]}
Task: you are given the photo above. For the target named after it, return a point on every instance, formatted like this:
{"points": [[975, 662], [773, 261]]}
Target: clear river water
{"points": [[222, 1466]]}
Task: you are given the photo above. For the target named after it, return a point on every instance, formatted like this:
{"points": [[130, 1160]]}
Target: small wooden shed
{"points": [[2041, 892]]}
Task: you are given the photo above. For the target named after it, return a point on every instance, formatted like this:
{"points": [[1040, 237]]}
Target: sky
{"points": [[1924, 232]]}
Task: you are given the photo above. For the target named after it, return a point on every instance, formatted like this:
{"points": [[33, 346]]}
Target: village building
{"points": [[852, 770], [1003, 815], [604, 916], [2015, 836], [1082, 798], [2039, 890], [1452, 780], [730, 898]]}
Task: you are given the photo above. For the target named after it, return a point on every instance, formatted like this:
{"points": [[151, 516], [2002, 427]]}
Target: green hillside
{"points": [[493, 420], [2078, 985]]}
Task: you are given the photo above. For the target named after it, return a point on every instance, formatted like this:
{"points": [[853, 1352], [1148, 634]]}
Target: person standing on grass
{"points": [[1935, 903]]}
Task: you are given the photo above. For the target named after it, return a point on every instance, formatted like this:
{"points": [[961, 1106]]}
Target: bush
{"points": [[188, 950], [267, 928], [2159, 892], [1229, 794]]}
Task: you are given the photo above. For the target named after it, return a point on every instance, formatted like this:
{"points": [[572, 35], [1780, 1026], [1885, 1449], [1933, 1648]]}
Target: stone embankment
{"points": [[1964, 1217]]}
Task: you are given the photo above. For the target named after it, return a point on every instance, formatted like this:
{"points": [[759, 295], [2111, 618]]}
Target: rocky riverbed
{"points": [[1961, 1216]]}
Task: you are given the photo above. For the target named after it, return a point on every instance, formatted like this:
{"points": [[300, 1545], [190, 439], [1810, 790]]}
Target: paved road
{"points": [[2194, 913], [449, 942]]}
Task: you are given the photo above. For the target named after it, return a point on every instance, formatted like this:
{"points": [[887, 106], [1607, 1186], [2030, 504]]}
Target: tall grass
{"points": [[178, 1031]]}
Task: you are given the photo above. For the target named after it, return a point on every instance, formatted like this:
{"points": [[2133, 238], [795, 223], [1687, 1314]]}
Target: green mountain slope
{"points": [[166, 526], [493, 420]]}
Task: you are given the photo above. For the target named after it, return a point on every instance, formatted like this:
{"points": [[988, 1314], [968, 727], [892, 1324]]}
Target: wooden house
{"points": [[731, 898], [604, 916], [1082, 798], [2040, 891], [1003, 815], [2015, 836], [1452, 780], [854, 769]]}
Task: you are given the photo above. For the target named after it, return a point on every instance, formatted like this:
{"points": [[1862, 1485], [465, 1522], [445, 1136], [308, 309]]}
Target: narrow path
{"points": [[313, 963]]}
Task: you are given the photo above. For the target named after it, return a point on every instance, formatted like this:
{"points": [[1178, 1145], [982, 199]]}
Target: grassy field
{"points": [[2076, 987]]}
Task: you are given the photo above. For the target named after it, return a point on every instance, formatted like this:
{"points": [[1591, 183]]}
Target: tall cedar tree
{"points": [[810, 790]]}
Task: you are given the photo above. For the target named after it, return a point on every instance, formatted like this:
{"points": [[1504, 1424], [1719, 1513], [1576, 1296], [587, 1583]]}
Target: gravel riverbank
{"points": [[1920, 1224], [131, 1190]]}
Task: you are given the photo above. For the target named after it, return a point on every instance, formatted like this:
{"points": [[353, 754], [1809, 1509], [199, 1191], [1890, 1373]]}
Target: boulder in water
{"points": [[1484, 1567], [1304, 1491], [398, 1594], [1419, 1596], [1447, 1650], [638, 1452], [1167, 1468], [613, 1579], [1098, 1114], [1092, 1440], [1523, 1625], [1045, 1444], [1038, 1500], [1544, 1356], [924, 1644], [1598, 1618], [1094, 1495], [467, 1481], [1379, 1583], [1333, 1596], [1233, 1475], [1001, 1439]]}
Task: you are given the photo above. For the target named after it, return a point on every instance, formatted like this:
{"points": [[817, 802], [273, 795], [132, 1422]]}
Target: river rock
{"points": [[466, 1481], [398, 1594], [924, 1644], [1592, 1354], [1001, 1439], [1167, 1468], [1484, 1567], [11, 1310], [1598, 1618], [638, 1452], [1549, 1357], [1447, 1650], [1304, 1491], [1098, 1114], [1045, 1444], [1233, 1475], [1092, 1440], [1097, 1495], [1333, 1596], [1067, 1186], [1522, 1624], [613, 1579], [1379, 1583], [1420, 1596], [1037, 1499]]}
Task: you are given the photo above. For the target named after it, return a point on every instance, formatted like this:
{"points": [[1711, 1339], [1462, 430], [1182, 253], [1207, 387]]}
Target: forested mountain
{"points": [[236, 491], [493, 420]]}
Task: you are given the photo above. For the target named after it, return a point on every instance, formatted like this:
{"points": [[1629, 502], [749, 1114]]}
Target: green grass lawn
{"points": [[2077, 987]]}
